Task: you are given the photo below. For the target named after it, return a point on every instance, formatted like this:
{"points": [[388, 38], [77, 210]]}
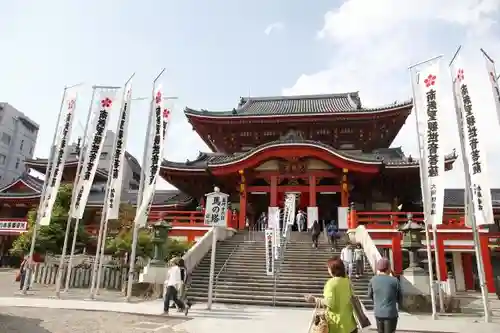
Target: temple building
{"points": [[330, 150]]}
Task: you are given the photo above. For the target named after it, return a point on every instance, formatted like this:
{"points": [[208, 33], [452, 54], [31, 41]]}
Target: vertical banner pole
{"points": [[212, 269], [73, 196], [470, 212], [105, 209], [29, 269], [424, 186], [135, 232]]}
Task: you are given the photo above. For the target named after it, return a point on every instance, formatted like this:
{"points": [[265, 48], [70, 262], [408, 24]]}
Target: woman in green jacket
{"points": [[337, 299]]}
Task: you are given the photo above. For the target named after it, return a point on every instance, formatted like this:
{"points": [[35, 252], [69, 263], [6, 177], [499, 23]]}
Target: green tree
{"points": [[51, 238], [122, 243]]}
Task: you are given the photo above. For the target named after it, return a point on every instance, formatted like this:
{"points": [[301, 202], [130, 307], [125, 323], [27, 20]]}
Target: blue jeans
{"points": [[21, 282]]}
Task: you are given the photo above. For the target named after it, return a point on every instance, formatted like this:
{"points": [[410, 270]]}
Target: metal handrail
{"points": [[222, 269], [277, 265]]}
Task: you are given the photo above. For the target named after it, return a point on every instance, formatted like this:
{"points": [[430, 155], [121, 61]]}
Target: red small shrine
{"points": [[330, 149]]}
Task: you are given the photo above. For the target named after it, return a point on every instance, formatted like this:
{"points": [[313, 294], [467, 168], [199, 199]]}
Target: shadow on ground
{"points": [[15, 324]]}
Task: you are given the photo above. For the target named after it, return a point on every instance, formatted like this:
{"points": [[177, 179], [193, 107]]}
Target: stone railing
{"points": [[201, 248], [362, 236]]}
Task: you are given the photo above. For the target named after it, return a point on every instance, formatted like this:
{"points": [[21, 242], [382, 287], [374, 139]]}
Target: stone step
{"points": [[269, 297], [231, 271], [243, 289], [269, 282], [261, 278]]}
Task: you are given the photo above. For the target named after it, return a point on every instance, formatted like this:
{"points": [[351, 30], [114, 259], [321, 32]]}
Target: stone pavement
{"points": [[247, 319]]}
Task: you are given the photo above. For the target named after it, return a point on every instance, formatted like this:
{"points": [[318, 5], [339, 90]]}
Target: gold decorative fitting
{"points": [[241, 172], [344, 170], [344, 187]]}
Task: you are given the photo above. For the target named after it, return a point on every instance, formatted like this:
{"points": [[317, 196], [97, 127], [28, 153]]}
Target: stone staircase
{"points": [[242, 279]]}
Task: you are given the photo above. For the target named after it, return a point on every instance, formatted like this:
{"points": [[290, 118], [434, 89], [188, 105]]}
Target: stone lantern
{"points": [[160, 234], [412, 239]]}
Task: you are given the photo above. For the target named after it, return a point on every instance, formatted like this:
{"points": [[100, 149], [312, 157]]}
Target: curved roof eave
{"points": [[355, 112]]}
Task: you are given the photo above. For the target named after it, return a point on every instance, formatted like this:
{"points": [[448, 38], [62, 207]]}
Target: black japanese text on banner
{"points": [[428, 106], [493, 78], [216, 209], [475, 153], [154, 155], [59, 158], [101, 110], [269, 251], [118, 158]]}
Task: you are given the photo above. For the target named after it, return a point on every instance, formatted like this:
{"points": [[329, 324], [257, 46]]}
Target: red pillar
{"points": [[312, 191], [243, 201], [397, 253], [274, 191], [439, 243], [488, 268], [467, 267]]}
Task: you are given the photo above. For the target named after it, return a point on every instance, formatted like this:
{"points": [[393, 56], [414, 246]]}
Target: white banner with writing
{"points": [[474, 151], [429, 113], [118, 158], [216, 205], [101, 111], [60, 156], [269, 251], [493, 78]]}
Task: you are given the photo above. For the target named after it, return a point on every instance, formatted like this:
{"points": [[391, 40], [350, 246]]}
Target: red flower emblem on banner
{"points": [[460, 75], [158, 97], [430, 81], [106, 103], [71, 104], [166, 113]]}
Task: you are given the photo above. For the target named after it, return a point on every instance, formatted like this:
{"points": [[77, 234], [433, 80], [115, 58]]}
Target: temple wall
{"points": [[268, 166], [314, 164]]}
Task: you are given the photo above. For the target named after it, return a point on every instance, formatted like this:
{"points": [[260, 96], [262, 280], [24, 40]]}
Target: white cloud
{"points": [[376, 41], [274, 27]]}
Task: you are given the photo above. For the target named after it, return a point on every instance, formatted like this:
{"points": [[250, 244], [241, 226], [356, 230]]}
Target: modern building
{"points": [[331, 150], [18, 135]]}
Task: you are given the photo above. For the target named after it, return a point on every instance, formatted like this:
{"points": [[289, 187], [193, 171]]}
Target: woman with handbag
{"points": [[336, 301]]}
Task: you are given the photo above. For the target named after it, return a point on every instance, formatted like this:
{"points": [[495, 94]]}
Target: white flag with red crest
{"points": [[118, 158], [429, 114], [101, 110], [60, 155], [475, 153], [493, 78], [154, 155]]}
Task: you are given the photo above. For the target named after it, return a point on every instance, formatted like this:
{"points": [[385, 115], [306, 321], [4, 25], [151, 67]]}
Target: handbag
{"points": [[359, 312], [318, 321], [18, 276]]}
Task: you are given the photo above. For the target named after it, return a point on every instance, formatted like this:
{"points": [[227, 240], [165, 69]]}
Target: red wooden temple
{"points": [[330, 149]]}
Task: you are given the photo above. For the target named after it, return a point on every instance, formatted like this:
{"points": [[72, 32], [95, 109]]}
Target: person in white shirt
{"points": [[346, 255], [173, 284]]}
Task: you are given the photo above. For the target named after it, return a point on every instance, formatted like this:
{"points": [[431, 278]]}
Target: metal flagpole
{"points": [[77, 220], [42, 196], [470, 212], [424, 186], [139, 193], [73, 196], [104, 214], [79, 167]]}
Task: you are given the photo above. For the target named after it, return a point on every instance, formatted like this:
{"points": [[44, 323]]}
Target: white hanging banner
{"points": [[269, 251], [60, 157], [154, 155], [493, 78], [118, 158], [312, 215], [101, 110], [342, 216], [475, 153], [216, 209], [273, 217], [427, 105]]}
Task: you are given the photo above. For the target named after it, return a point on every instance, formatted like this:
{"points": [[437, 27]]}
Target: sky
{"points": [[215, 51]]}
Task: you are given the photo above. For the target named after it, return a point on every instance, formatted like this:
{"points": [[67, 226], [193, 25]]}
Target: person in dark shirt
{"points": [[315, 231], [385, 291]]}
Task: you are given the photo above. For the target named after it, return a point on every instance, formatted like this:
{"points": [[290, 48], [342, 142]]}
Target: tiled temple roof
{"points": [[96, 197], [299, 105], [390, 157]]}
